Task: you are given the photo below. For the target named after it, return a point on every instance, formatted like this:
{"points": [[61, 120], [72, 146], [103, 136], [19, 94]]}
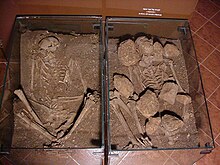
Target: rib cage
{"points": [[152, 77], [51, 75]]}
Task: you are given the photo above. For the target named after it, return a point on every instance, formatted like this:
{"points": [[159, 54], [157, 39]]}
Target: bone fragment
{"points": [[81, 77], [22, 97], [130, 73], [144, 141], [135, 116], [69, 121], [68, 99]]}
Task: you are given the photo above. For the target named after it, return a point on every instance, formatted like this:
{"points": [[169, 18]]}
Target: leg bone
{"points": [[130, 73], [35, 125], [115, 95], [137, 73], [22, 97], [121, 118], [143, 141], [123, 105], [81, 77], [174, 75], [134, 113], [88, 104]]}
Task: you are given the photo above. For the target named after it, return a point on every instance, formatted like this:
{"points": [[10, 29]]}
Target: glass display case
{"points": [[156, 99], [69, 85], [48, 99]]}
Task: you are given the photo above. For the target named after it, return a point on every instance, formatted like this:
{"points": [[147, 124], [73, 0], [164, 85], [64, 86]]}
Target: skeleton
{"points": [[152, 66], [47, 71], [151, 70]]}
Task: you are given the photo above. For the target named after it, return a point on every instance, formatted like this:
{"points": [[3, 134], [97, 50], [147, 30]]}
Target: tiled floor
{"points": [[205, 26]]}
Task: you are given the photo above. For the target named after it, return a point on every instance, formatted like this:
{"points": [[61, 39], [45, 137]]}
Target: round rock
{"points": [[171, 123], [152, 125], [158, 53], [171, 51], [148, 104], [123, 85], [144, 45], [127, 53]]}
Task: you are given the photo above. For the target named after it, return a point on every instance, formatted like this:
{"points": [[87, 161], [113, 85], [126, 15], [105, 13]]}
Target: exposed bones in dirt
{"points": [[58, 99], [147, 70]]}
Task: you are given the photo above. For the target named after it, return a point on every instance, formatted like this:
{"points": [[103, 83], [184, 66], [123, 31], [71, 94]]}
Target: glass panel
{"points": [[53, 91], [156, 98]]}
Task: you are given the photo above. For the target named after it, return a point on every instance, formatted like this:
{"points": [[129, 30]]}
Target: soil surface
{"points": [[57, 73], [183, 132]]}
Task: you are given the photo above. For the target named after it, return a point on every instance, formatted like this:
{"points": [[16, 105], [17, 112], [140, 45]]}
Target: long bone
{"points": [[68, 123], [170, 62], [116, 104], [137, 73], [130, 68], [116, 96], [22, 97], [132, 105], [35, 125], [121, 118], [68, 99], [89, 102], [81, 77], [135, 116]]}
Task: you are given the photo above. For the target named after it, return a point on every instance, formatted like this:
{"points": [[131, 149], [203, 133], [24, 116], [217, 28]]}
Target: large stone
{"points": [[146, 61], [183, 99], [152, 125], [144, 46], [171, 51], [148, 104], [127, 53], [169, 92], [158, 53], [123, 85], [171, 124]]}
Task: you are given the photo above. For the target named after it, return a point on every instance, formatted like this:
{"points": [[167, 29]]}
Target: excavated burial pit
{"points": [[170, 107], [56, 62]]}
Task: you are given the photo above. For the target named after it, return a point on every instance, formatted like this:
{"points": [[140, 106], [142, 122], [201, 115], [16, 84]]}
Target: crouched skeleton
{"points": [[51, 78]]}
